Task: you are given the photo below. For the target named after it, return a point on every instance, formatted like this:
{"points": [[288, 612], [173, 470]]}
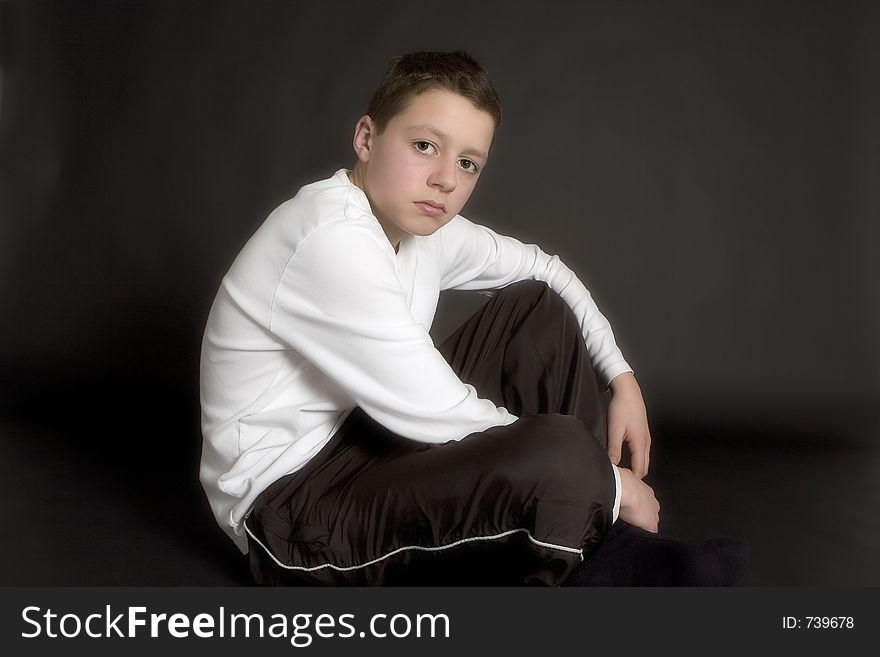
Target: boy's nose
{"points": [[443, 177]]}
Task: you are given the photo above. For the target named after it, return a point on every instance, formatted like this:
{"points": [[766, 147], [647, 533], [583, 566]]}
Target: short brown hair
{"points": [[408, 76]]}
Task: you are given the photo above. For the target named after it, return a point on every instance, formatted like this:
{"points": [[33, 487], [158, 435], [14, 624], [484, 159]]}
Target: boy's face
{"points": [[419, 172]]}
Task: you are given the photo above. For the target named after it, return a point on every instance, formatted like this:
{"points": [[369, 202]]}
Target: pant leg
{"points": [[509, 505], [524, 350], [379, 509]]}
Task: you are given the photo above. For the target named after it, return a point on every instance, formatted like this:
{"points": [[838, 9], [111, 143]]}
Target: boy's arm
{"points": [[340, 304], [476, 257]]}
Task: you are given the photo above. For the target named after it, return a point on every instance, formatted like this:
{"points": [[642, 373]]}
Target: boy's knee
{"points": [[530, 291], [576, 448], [527, 287], [535, 294], [560, 450]]}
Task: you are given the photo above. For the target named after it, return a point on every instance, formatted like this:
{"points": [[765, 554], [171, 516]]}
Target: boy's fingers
{"points": [[639, 465], [647, 448], [614, 444]]}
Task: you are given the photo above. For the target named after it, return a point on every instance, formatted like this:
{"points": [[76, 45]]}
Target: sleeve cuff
{"points": [[616, 512], [614, 371]]}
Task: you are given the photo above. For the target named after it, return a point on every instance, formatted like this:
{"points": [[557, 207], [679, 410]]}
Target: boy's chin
{"points": [[424, 232], [425, 228]]}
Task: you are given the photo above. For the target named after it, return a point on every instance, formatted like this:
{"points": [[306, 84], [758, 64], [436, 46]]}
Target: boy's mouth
{"points": [[431, 208]]}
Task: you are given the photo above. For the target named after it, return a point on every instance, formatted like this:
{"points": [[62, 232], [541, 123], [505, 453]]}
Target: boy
{"points": [[341, 446]]}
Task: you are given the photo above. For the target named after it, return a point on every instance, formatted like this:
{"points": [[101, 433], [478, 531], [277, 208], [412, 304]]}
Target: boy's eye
{"points": [[468, 165], [424, 146]]}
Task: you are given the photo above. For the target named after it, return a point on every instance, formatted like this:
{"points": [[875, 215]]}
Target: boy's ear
{"points": [[364, 131]]}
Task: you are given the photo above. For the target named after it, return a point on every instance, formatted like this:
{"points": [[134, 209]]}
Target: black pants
{"points": [[527, 503]]}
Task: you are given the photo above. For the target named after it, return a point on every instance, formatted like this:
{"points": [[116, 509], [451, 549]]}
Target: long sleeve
{"points": [[340, 304], [475, 257]]}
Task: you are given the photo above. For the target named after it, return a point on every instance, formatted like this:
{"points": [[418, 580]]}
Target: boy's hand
{"points": [[638, 505], [628, 423]]}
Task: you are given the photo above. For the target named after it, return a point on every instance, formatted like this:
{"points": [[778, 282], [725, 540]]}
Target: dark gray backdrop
{"points": [[709, 169]]}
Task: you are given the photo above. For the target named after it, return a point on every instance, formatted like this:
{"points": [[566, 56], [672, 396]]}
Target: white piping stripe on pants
{"points": [[564, 548]]}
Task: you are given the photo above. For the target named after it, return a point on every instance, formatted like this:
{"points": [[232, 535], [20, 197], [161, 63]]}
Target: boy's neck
{"points": [[356, 176]]}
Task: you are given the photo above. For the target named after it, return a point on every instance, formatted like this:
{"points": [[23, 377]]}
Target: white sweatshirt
{"points": [[318, 314]]}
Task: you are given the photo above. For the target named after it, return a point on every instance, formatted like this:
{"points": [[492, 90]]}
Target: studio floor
{"points": [[89, 506]]}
